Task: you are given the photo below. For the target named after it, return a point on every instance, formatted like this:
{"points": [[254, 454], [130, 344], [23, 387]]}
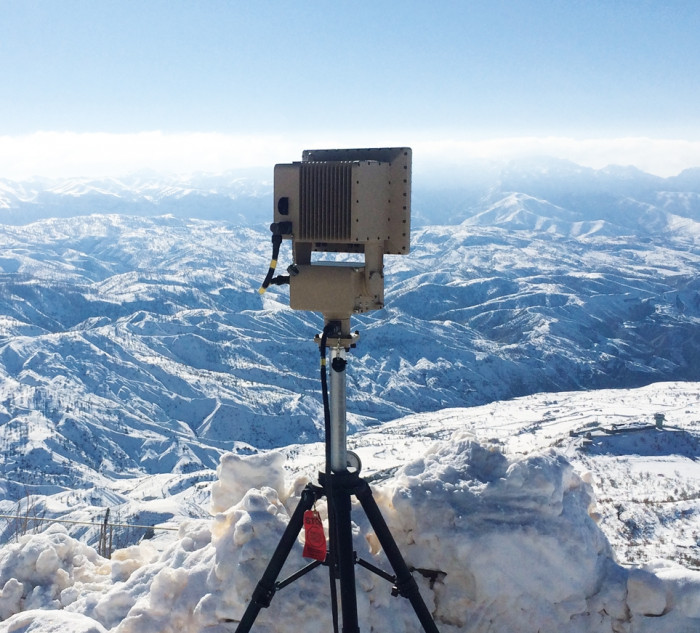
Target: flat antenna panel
{"points": [[340, 200]]}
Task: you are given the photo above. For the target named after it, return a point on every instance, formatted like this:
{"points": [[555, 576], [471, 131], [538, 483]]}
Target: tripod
{"points": [[338, 484]]}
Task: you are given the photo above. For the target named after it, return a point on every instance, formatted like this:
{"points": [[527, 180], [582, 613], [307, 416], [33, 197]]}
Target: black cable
{"points": [[276, 243], [332, 563], [324, 393]]}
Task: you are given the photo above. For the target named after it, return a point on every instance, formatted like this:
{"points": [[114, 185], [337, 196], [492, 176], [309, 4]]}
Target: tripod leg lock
{"points": [[406, 587], [263, 594]]}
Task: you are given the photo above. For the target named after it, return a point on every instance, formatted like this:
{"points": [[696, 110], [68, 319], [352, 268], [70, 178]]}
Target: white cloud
{"points": [[663, 157], [61, 154]]}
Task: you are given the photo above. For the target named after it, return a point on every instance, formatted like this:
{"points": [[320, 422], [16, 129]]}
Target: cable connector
{"points": [[281, 228]]}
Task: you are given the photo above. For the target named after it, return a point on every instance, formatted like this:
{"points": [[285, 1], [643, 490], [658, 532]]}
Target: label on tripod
{"points": [[315, 543]]}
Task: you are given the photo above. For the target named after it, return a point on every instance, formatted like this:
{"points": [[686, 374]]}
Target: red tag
{"points": [[315, 544]]}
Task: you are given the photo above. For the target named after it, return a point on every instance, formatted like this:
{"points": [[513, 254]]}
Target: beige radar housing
{"points": [[343, 201]]}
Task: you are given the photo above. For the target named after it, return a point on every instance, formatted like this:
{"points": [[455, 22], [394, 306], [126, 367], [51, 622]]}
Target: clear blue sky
{"points": [[395, 71]]}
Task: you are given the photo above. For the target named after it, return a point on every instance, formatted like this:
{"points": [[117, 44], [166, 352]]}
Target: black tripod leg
{"points": [[342, 546], [266, 587], [405, 583]]}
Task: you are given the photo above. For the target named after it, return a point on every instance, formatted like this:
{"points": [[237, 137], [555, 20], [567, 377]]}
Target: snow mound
{"points": [[47, 571], [37, 621], [499, 543], [515, 539], [237, 474]]}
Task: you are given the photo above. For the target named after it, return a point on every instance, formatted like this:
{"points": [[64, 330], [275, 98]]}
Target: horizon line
{"points": [[52, 154]]}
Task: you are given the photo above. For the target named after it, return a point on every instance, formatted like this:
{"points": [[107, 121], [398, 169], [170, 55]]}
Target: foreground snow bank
{"points": [[501, 544]]}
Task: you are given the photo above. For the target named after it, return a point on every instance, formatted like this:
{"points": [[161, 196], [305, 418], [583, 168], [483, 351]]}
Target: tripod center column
{"points": [[339, 453]]}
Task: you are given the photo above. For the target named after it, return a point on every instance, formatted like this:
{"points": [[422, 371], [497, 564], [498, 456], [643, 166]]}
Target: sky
{"points": [[102, 87]]}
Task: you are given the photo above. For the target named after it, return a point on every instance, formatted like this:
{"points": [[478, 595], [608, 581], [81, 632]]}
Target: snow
{"points": [[512, 541]]}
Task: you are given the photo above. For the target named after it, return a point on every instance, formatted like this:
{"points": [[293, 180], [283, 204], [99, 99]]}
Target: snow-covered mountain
{"points": [[139, 345], [241, 196]]}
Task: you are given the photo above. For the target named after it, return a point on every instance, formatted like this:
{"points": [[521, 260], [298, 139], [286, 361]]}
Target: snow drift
{"points": [[504, 544]]}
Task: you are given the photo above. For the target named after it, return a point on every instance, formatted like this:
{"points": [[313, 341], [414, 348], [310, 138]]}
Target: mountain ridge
{"points": [[244, 196]]}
